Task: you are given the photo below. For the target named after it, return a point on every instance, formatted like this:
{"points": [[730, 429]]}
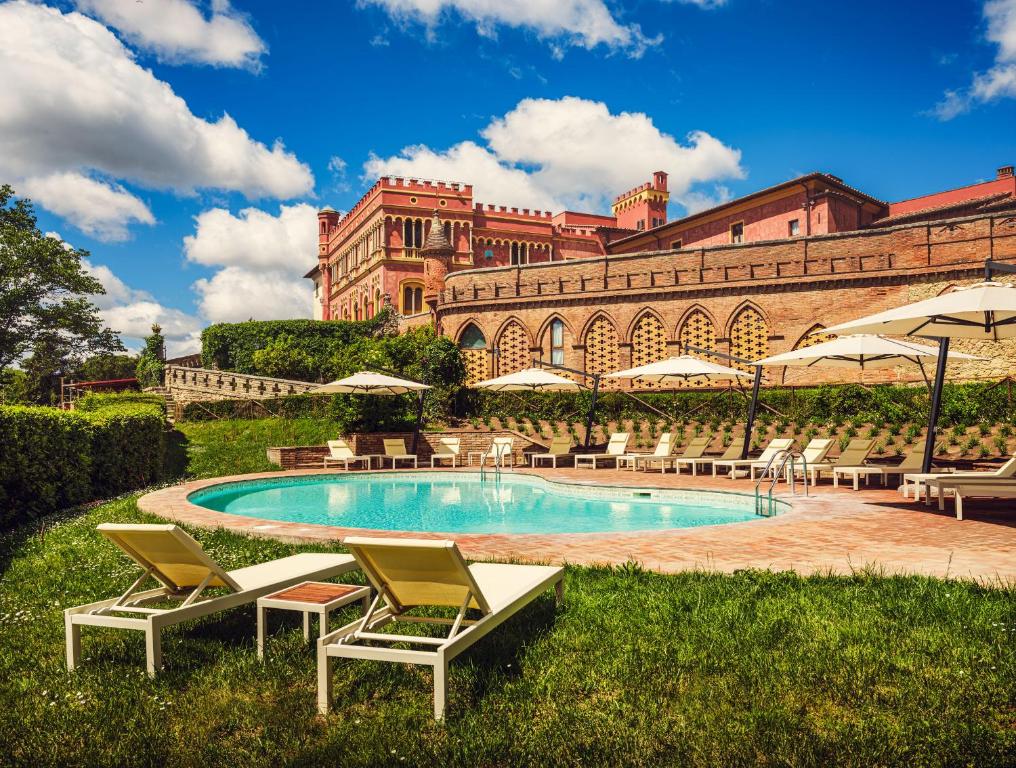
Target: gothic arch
{"points": [[648, 337], [596, 316], [813, 336], [603, 350], [749, 334], [514, 347], [545, 326], [472, 344], [747, 304], [638, 318]]}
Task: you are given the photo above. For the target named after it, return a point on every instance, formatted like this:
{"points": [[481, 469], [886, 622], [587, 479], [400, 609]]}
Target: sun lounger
{"points": [[978, 488], [853, 457], [447, 448], [774, 447], [732, 452], [814, 453], [395, 449], [410, 573], [911, 462], [693, 454], [560, 448], [662, 452], [169, 555], [339, 452], [617, 446], [1001, 478]]}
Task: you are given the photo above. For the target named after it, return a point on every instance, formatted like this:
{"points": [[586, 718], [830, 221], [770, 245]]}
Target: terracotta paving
{"points": [[831, 531]]}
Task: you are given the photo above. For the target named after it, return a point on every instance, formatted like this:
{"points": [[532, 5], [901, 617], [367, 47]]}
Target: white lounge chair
{"points": [[560, 448], [395, 449], [853, 457], [731, 453], [169, 555], [662, 454], [617, 446], [339, 452], [911, 462], [982, 489], [411, 573], [814, 453], [774, 447], [447, 448], [1000, 479]]}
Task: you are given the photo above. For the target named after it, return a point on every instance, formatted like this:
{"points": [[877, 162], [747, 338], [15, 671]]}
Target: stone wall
{"points": [[765, 297], [201, 384]]}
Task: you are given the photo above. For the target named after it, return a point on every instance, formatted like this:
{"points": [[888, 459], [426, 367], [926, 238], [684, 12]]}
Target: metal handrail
{"points": [[784, 456]]}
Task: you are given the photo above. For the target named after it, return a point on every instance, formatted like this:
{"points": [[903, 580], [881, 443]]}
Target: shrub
{"points": [[282, 358], [53, 459]]}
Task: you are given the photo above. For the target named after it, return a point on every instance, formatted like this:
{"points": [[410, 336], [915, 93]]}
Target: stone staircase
{"points": [[169, 404]]}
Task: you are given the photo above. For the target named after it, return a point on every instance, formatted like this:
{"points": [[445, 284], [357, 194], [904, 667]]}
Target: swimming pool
{"points": [[468, 502]]}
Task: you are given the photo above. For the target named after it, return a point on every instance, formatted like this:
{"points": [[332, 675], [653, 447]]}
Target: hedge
{"points": [[231, 346], [52, 459]]}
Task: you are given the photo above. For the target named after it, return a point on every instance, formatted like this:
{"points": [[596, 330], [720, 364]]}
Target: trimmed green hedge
{"points": [[232, 346], [51, 459]]}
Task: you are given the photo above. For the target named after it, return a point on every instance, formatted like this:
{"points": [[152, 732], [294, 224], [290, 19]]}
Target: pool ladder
{"points": [[498, 457], [783, 456]]}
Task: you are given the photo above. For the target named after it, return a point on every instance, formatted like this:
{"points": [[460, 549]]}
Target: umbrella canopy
{"points": [[532, 379], [982, 311], [370, 383], [865, 351], [683, 367]]}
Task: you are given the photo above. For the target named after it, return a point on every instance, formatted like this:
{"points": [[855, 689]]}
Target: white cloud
{"points": [[75, 101], [132, 312], [97, 208], [584, 23], [999, 81], [178, 31], [568, 153], [235, 294], [706, 5], [264, 258]]}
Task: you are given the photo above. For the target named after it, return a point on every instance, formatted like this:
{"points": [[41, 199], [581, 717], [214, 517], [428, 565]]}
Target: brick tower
{"points": [[437, 255], [644, 207]]}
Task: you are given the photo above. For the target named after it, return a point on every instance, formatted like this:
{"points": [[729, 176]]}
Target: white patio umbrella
{"points": [[684, 367], [370, 383], [531, 379], [985, 311], [863, 350]]}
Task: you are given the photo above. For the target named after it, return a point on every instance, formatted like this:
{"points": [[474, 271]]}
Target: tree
{"points": [[44, 292], [151, 361], [106, 367]]}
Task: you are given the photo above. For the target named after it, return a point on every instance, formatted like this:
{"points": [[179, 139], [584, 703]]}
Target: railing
{"points": [[783, 456], [225, 385]]}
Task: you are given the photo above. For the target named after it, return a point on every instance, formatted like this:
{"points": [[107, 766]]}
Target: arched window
{"points": [[448, 231], [412, 298], [377, 301], [515, 253], [602, 350], [513, 349], [557, 342], [648, 345], [473, 348], [418, 234], [749, 336]]}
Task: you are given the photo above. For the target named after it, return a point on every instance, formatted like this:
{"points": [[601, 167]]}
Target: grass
{"points": [[635, 669]]}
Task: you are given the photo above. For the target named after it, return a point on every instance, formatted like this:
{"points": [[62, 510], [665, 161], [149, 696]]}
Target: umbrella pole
{"points": [[592, 409], [752, 408], [936, 402]]}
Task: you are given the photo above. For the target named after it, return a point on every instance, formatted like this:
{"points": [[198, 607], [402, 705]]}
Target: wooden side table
{"points": [[309, 597]]}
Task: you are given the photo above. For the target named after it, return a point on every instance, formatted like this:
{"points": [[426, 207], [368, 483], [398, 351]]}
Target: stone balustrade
{"points": [[202, 384]]}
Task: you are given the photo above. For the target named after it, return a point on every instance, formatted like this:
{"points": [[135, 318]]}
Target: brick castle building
{"points": [[754, 276]]}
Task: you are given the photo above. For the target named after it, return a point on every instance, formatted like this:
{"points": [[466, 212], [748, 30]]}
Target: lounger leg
{"points": [[324, 680], [262, 619], [836, 479], [559, 592], [153, 648], [857, 477], [440, 685], [959, 505], [306, 627], [941, 498], [73, 642]]}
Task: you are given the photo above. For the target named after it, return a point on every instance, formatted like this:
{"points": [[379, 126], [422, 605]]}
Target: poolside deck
{"points": [[831, 531]]}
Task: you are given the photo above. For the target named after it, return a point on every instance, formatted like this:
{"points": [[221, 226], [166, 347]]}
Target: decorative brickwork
{"points": [[602, 351], [698, 331], [812, 337], [475, 361], [749, 336], [513, 349], [648, 345]]}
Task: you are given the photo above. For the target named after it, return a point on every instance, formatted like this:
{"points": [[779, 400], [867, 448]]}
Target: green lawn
{"points": [[635, 669]]}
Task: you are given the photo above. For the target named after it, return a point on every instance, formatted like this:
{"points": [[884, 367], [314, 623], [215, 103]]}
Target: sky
{"points": [[187, 144]]}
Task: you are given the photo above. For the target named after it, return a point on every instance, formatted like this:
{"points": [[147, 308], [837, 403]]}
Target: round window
{"points": [[412, 200]]}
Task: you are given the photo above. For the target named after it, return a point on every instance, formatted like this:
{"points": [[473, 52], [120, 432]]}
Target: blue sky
{"points": [[116, 122]]}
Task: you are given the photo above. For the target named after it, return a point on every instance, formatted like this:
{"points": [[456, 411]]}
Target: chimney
{"points": [[1005, 172]]}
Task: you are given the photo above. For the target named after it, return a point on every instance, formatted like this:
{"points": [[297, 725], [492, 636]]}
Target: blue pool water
{"points": [[466, 502]]}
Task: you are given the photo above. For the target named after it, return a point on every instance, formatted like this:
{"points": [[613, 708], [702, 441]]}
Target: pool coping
{"points": [[173, 503]]}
